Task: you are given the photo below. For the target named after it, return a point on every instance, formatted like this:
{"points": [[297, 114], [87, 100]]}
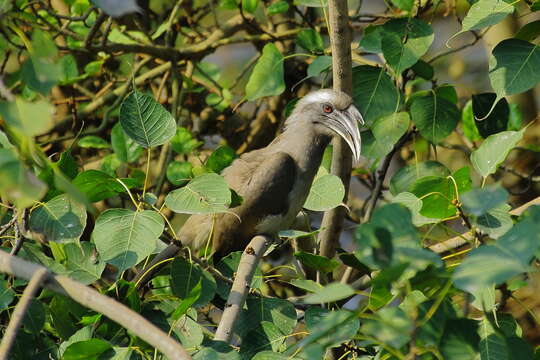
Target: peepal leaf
{"points": [[31, 119], [434, 116], [326, 193], [513, 67], [407, 175], [205, 194], [81, 262], [125, 148], [59, 219], [124, 237], [494, 150], [267, 76], [480, 200], [331, 292], [383, 135], [146, 121], [485, 13], [508, 256], [374, 93]]}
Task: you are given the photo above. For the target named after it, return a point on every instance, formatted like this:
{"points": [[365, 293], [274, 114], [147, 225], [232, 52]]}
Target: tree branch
{"points": [[20, 311], [92, 299], [340, 39], [241, 285]]}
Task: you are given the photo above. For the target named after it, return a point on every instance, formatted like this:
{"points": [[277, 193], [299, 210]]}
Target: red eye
{"points": [[327, 108]]}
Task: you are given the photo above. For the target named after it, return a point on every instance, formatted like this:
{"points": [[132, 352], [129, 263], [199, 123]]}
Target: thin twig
{"points": [[17, 317], [241, 285], [92, 299]]}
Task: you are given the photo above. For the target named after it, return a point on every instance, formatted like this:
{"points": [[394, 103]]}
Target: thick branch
{"points": [[241, 285], [20, 311], [92, 299], [340, 39]]}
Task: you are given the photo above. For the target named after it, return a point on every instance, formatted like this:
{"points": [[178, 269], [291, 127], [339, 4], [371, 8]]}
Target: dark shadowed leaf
{"points": [[310, 40], [97, 185], [86, 350], [480, 200], [390, 326], [529, 31], [145, 120], [316, 262], [496, 221], [497, 120]]}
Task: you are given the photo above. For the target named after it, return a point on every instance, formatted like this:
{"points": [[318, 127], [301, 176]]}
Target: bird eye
{"points": [[327, 108]]}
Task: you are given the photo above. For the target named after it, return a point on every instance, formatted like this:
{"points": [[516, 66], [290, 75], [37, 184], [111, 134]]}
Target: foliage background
{"points": [[449, 275]]}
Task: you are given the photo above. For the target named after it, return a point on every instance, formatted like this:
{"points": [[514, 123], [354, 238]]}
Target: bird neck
{"points": [[305, 145]]}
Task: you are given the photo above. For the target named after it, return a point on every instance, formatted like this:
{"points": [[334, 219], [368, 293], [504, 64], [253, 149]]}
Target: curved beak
{"points": [[345, 124]]}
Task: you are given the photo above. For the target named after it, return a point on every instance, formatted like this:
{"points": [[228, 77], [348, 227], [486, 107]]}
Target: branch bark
{"points": [[241, 285], [20, 311], [340, 39], [92, 299]]}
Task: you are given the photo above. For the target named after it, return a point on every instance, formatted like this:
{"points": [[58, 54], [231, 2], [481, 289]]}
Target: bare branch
{"points": [[340, 39], [20, 311], [92, 299], [241, 285]]}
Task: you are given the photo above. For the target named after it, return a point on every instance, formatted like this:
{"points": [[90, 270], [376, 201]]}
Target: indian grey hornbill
{"points": [[274, 181]]}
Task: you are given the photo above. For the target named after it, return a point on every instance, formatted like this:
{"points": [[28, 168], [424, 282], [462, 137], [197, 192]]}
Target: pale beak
{"points": [[345, 124]]}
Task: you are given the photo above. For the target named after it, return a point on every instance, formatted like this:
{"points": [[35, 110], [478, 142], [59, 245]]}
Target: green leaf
{"points": [[515, 120], [329, 328], [468, 123], [438, 193], [82, 334], [404, 41], [326, 193], [179, 173], [183, 141], [487, 158], [34, 318], [374, 93], [423, 69], [492, 122], [507, 257], [69, 72], [220, 158], [277, 311], [43, 45], [205, 194], [124, 237], [278, 7], [319, 65], [390, 326], [434, 116], [310, 40], [125, 148], [17, 184], [414, 204], [189, 331], [405, 5], [267, 78], [316, 262], [330, 293], [82, 264], [308, 285], [407, 175], [529, 31], [184, 277], [496, 221], [86, 350], [250, 5], [480, 200], [40, 74], [485, 13], [384, 134], [60, 219], [512, 67], [94, 142], [460, 340], [30, 119], [146, 121], [6, 294], [311, 3], [492, 343], [97, 185]]}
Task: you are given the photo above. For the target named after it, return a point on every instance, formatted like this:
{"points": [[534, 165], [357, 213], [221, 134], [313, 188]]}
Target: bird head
{"points": [[331, 113]]}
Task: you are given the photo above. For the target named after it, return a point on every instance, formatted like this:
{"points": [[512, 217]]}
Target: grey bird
{"points": [[274, 181]]}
